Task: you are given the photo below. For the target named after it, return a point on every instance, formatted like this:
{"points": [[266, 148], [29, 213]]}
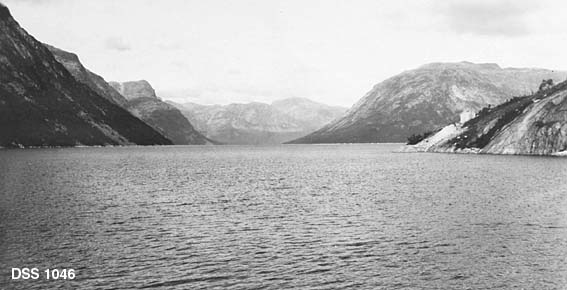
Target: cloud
{"points": [[117, 43], [489, 17]]}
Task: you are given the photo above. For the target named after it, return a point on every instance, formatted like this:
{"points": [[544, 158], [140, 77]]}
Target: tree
{"points": [[546, 84], [416, 138]]}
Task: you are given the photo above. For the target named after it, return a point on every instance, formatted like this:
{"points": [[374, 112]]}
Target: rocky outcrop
{"points": [[259, 123], [165, 118], [135, 89], [532, 125], [427, 98], [42, 104]]}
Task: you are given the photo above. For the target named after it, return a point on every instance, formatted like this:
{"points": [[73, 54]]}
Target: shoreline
{"points": [[472, 151], [403, 149]]}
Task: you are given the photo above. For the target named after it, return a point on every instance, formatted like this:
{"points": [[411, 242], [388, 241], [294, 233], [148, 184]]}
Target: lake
{"points": [[282, 217]]}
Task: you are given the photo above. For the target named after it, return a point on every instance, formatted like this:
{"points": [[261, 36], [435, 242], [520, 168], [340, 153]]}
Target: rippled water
{"points": [[283, 217]]}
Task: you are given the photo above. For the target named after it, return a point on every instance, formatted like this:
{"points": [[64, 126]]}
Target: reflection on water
{"points": [[296, 217]]}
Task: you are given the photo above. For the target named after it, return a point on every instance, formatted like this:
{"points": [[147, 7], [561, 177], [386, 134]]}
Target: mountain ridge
{"points": [[535, 124], [134, 89], [97, 83], [143, 102], [139, 99], [427, 98], [42, 104]]}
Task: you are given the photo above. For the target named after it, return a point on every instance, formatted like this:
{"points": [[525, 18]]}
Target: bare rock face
{"points": [[42, 104], [540, 130], [165, 118], [259, 123], [135, 89], [530, 125], [427, 98]]}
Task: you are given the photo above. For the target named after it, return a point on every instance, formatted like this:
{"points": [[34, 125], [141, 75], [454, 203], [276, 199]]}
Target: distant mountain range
{"points": [[259, 123], [532, 125], [42, 104], [428, 98]]}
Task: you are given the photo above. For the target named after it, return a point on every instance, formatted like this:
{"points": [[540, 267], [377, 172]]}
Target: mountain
{"points": [[165, 118], [259, 123], [253, 123], [533, 125], [312, 114], [72, 63], [42, 104], [135, 89], [138, 97], [427, 98]]}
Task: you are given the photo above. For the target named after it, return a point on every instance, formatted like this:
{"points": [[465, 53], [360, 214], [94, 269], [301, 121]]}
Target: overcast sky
{"points": [[213, 51]]}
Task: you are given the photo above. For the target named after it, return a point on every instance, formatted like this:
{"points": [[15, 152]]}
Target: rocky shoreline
{"points": [[474, 151]]}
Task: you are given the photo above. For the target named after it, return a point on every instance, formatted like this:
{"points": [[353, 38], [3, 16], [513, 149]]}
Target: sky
{"points": [[331, 51]]}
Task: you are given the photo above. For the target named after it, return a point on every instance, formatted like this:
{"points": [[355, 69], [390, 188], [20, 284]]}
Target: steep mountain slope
{"points": [[534, 125], [427, 98], [259, 123], [41, 103], [143, 103], [139, 98], [72, 63]]}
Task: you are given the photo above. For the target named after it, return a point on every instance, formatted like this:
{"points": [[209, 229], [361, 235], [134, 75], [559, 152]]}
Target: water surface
{"points": [[283, 217]]}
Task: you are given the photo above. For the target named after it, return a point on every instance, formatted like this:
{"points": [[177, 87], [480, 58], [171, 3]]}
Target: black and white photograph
{"points": [[283, 144]]}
